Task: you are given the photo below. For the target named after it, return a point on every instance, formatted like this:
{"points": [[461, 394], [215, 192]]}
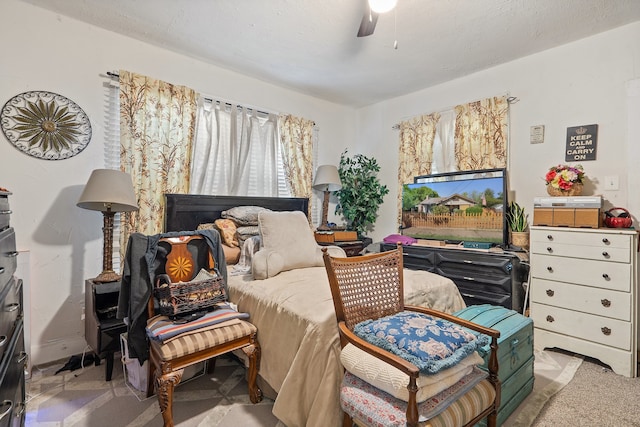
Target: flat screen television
{"points": [[458, 207]]}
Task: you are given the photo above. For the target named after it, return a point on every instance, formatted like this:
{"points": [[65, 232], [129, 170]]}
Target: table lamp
{"points": [[108, 191], [327, 180]]}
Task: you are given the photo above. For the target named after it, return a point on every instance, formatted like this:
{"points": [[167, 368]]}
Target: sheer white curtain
{"points": [[236, 153], [444, 159]]}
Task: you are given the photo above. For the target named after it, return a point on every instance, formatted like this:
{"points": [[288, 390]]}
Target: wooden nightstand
{"points": [[101, 328]]}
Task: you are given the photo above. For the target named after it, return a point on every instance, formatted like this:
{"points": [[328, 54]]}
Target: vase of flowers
{"points": [[565, 180]]}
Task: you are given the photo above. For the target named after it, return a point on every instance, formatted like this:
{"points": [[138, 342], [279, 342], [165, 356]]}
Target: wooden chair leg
{"points": [[151, 381], [164, 389], [347, 421], [492, 419], [253, 353]]}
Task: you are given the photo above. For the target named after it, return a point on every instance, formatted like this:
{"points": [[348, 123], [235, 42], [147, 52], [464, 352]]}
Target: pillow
{"points": [[231, 254], [393, 381], [227, 229], [287, 243], [246, 231], [244, 215], [430, 343]]}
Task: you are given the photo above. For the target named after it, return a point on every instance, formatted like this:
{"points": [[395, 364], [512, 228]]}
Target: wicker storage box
{"points": [[185, 297]]}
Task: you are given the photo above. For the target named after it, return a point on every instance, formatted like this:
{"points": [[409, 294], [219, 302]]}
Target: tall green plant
{"points": [[516, 218], [361, 194]]}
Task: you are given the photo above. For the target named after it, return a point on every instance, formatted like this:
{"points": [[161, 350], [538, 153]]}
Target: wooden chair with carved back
{"points": [[169, 358]]}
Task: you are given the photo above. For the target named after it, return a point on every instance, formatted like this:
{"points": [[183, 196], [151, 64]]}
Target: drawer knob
{"points": [[550, 292], [550, 319], [1, 270], [550, 269], [605, 330], [549, 249], [22, 358], [6, 212], [605, 302], [605, 276], [605, 254], [12, 254], [549, 237], [3, 340], [605, 241]]}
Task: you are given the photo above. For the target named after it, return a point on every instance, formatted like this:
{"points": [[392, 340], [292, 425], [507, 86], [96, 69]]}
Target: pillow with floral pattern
{"points": [[430, 343], [227, 229]]}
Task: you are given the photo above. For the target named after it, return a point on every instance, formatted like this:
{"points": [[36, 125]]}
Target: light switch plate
{"points": [[611, 182]]}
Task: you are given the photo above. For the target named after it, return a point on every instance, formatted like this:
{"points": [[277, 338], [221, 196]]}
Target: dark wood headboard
{"points": [[183, 212]]}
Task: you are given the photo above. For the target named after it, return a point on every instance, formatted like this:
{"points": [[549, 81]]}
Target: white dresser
{"points": [[584, 295]]}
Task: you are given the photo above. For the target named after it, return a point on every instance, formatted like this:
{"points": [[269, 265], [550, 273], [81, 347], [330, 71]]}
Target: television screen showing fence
{"points": [[457, 207]]}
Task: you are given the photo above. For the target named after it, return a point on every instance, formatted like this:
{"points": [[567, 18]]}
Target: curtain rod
{"points": [[227, 103], [510, 100]]}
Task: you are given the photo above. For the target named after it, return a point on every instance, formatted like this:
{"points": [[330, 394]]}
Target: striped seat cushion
{"points": [[193, 342], [372, 407]]}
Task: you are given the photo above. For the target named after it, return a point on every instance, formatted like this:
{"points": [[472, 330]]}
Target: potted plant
{"points": [[518, 223], [361, 193]]}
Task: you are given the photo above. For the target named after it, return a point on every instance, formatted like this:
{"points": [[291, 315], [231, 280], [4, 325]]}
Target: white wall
{"points": [[45, 51], [585, 82]]}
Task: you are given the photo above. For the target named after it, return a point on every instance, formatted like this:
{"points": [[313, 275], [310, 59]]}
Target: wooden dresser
{"points": [[13, 358], [482, 277], [584, 295]]}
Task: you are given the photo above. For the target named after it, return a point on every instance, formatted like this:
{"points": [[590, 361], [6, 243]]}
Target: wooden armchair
{"points": [[370, 287], [168, 359]]}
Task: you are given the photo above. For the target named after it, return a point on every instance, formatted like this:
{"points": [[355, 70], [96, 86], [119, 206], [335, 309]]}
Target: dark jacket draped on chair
{"points": [[143, 260]]}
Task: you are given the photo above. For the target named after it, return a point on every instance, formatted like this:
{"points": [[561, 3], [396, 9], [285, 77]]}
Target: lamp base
{"points": [[107, 276]]}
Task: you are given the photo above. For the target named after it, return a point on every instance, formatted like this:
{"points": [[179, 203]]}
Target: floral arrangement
{"points": [[564, 177]]}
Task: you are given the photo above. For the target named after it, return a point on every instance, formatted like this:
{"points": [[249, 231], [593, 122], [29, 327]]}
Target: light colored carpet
{"points": [[83, 398], [553, 370]]}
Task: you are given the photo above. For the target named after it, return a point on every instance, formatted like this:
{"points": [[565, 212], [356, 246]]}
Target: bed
{"points": [[294, 314]]}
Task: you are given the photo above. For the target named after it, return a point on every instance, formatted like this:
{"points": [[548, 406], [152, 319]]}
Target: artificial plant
{"points": [[361, 194], [516, 217]]}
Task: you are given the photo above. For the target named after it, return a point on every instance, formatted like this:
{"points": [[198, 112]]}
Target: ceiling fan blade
{"points": [[368, 23]]}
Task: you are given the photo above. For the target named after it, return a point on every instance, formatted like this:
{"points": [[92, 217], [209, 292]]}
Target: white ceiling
{"points": [[311, 45]]}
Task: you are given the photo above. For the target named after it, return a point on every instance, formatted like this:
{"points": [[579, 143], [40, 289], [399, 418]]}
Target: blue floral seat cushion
{"points": [[430, 343]]}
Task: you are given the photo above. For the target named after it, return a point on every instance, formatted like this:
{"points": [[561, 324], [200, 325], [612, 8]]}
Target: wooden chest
{"points": [[515, 352]]}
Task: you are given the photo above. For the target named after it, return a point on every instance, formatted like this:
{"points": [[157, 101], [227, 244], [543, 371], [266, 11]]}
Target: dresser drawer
{"points": [[603, 330], [5, 212], [8, 254], [601, 240], [10, 310], [597, 253], [12, 381], [605, 275], [596, 301], [475, 264]]}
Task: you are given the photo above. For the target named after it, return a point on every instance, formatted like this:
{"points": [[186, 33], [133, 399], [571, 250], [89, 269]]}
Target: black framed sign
{"points": [[582, 143]]}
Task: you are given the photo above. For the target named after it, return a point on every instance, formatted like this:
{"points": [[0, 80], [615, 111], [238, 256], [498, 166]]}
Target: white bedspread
{"points": [[298, 334]]}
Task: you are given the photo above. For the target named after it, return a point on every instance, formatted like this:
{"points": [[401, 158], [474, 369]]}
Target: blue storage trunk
{"points": [[515, 352]]}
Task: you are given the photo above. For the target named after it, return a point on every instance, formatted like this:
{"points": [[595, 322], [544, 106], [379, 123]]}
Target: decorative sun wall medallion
{"points": [[45, 125]]}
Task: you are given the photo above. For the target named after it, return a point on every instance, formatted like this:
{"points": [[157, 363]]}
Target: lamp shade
{"points": [[327, 178], [109, 189]]}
